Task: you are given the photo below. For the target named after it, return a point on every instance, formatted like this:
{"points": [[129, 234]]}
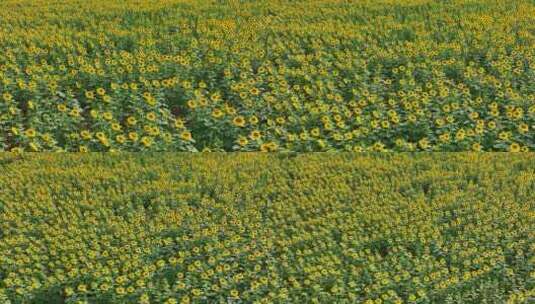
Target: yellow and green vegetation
{"points": [[267, 228], [273, 75]]}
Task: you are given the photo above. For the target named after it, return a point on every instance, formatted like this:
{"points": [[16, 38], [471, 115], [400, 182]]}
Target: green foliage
{"points": [[257, 228], [277, 75]]}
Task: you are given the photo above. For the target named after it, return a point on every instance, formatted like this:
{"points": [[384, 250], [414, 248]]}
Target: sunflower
{"points": [[131, 120], [62, 108], [151, 116], [192, 104], [116, 127], [217, 113], [90, 95], [146, 141], [85, 134], [503, 135], [253, 120], [242, 141], [7, 97], [186, 135], [120, 139], [133, 136], [476, 147], [523, 128], [255, 135], [107, 115], [30, 132], [254, 91], [234, 293], [514, 147], [239, 121], [264, 147]]}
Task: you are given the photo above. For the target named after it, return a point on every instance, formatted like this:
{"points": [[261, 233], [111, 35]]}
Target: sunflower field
{"points": [[272, 75], [267, 228]]}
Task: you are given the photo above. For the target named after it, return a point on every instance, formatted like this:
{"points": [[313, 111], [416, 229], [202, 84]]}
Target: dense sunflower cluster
{"points": [[237, 75], [344, 228]]}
